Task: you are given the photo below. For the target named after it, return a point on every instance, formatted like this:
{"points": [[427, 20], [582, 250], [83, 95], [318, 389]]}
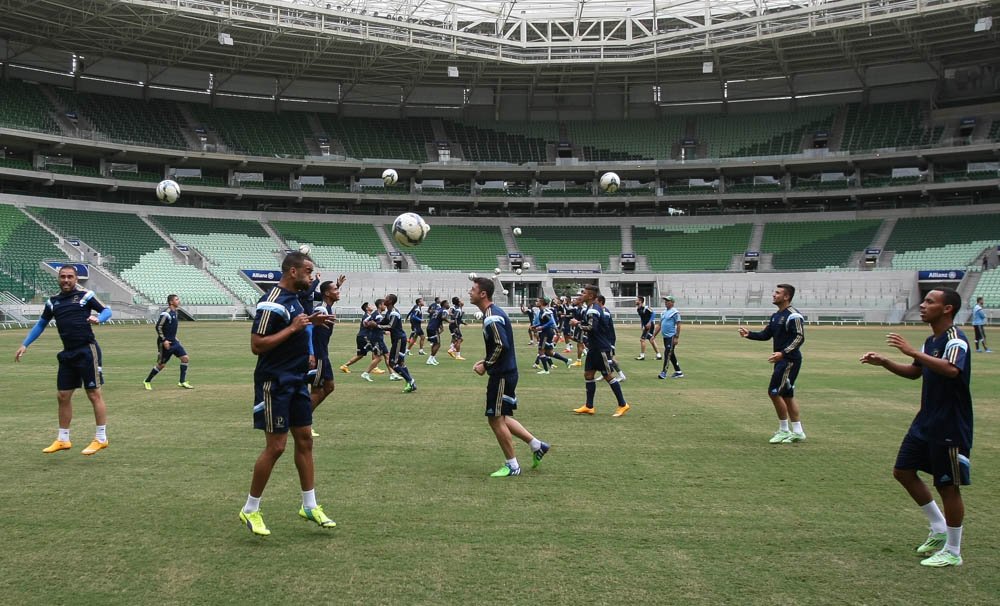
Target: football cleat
{"points": [[459, 357], [56, 446], [378, 371], [659, 356], [254, 523], [779, 437], [345, 369], [793, 437], [621, 410], [94, 447], [505, 472], [677, 375], [185, 385], [395, 377], [316, 514], [367, 377], [577, 364], [542, 372], [640, 357], [410, 388], [662, 375], [536, 456], [934, 543], [942, 559], [147, 385], [313, 433], [584, 410]]}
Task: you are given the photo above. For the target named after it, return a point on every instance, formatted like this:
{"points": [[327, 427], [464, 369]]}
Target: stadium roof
{"points": [[566, 47]]}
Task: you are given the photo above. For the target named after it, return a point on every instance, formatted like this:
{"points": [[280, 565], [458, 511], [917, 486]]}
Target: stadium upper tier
{"points": [[174, 125]]}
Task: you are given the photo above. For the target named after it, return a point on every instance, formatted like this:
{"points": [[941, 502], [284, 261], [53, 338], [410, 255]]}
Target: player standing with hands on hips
{"points": [[940, 437], [786, 328]]}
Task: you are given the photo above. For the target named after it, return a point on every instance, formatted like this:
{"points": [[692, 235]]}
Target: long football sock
{"points": [[934, 517], [152, 374], [591, 391], [954, 542], [184, 372], [617, 390]]}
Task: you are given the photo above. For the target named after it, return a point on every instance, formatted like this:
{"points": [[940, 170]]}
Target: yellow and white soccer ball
{"points": [[390, 177], [409, 229], [610, 182]]}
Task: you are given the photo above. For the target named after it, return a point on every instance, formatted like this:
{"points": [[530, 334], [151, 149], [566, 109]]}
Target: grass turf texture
{"points": [[680, 501]]}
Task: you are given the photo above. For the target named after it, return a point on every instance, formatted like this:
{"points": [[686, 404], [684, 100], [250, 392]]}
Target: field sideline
{"points": [[680, 501]]}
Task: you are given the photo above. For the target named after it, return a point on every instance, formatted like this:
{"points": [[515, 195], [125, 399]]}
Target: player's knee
{"points": [[903, 476]]}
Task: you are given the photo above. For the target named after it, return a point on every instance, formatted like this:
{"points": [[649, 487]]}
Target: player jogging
{"points": [[392, 323], [416, 318], [599, 354], [168, 346], [647, 331], [320, 367], [501, 365]]}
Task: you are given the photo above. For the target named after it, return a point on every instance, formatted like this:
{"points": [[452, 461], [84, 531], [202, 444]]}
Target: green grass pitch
{"points": [[682, 501]]}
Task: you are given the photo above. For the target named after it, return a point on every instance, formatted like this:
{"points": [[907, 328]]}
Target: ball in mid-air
{"points": [[409, 229], [506, 292], [304, 249], [389, 177], [518, 271], [168, 191], [610, 182], [496, 271], [517, 231], [473, 275], [479, 315], [526, 265]]}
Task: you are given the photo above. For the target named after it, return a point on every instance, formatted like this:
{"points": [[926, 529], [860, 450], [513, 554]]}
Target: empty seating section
{"points": [[459, 247], [489, 145], [995, 130], [24, 106], [136, 176], [886, 125], [336, 246], [230, 245], [690, 247], [153, 122], [627, 140], [919, 233], [376, 138], [157, 275], [949, 256], [23, 246], [988, 288], [121, 238], [257, 133], [559, 244], [816, 244], [771, 134]]}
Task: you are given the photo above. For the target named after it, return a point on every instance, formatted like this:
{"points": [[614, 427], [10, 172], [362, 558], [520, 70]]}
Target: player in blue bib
{"points": [[80, 359], [281, 397], [979, 325], [670, 328], [167, 345], [786, 330], [939, 439]]}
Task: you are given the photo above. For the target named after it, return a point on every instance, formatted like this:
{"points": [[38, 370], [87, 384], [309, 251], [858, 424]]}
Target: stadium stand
{"points": [[257, 133], [956, 240], [772, 134], [24, 106], [691, 247], [459, 248], [489, 145], [229, 245], [816, 244], [375, 138], [988, 288], [995, 130], [336, 246], [135, 176], [121, 238], [23, 246], [157, 275], [153, 122], [627, 140], [556, 244], [885, 125]]}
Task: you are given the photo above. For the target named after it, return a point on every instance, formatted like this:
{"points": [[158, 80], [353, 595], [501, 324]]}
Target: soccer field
{"points": [[682, 501]]}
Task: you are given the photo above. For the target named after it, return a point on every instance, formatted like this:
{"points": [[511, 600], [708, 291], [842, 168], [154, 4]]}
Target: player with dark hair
{"points": [[599, 354], [609, 322], [564, 318], [434, 327], [376, 339], [576, 322], [416, 318], [979, 325], [787, 328], [281, 399], [321, 371], [546, 336], [392, 323], [363, 346], [647, 330], [939, 439], [167, 345], [501, 365], [455, 322], [80, 359]]}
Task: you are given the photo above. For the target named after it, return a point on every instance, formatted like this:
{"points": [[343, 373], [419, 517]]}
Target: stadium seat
{"points": [[816, 244]]}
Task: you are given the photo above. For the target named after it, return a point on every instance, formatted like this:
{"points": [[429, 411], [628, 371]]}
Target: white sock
{"points": [[935, 517], [101, 435], [954, 543], [253, 504], [797, 427], [512, 463], [64, 434], [309, 499], [535, 444], [782, 425]]}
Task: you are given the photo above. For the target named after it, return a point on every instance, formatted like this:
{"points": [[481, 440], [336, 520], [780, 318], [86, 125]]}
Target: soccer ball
{"points": [[526, 265], [389, 177], [610, 182], [496, 271], [409, 229], [506, 292], [168, 191], [517, 271], [479, 315], [304, 249], [473, 275], [517, 231]]}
